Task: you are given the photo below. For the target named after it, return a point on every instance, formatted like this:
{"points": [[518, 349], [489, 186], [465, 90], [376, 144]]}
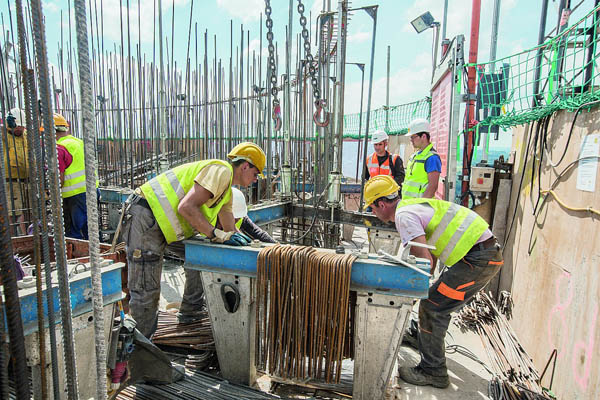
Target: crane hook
{"points": [[321, 108]]}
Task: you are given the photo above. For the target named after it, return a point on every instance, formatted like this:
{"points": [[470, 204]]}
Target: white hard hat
{"points": [[379, 136], [19, 116], [240, 210], [417, 126]]}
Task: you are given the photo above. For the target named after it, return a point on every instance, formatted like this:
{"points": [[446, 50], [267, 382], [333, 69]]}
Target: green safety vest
{"points": [[238, 224], [453, 230], [416, 182], [164, 192], [75, 173]]}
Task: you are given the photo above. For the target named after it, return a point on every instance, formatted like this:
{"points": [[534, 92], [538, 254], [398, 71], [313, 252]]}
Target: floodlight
{"points": [[423, 22]]}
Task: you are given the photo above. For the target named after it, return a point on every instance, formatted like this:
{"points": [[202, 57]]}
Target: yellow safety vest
{"points": [[453, 230], [416, 182], [238, 224], [164, 192], [16, 146], [75, 173]]}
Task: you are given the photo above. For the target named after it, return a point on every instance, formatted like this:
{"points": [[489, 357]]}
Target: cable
{"points": [[570, 133], [589, 209], [314, 219], [519, 189]]}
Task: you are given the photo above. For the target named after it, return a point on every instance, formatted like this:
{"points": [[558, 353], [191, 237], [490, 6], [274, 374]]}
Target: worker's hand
{"points": [[230, 238], [238, 239]]}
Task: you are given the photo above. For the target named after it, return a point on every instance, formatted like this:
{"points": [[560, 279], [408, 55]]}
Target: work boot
{"points": [[411, 339], [416, 376], [190, 318]]}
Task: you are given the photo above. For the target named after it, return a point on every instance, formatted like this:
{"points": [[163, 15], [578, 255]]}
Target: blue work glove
{"points": [[238, 239], [230, 238]]}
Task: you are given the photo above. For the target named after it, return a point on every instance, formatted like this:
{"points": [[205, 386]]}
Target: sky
{"points": [[410, 53]]}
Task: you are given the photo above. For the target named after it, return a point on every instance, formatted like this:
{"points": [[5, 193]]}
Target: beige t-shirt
{"points": [[215, 178]]}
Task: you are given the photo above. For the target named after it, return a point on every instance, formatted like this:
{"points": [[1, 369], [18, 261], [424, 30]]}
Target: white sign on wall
{"points": [[586, 171]]}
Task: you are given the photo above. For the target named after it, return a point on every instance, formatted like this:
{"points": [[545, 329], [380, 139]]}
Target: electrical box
{"points": [[482, 179]]}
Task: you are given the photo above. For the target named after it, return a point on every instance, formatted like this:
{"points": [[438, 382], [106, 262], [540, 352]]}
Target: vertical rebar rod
{"points": [[372, 11], [88, 123], [59, 234]]}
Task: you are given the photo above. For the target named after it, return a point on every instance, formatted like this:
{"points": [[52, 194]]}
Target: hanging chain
{"points": [[321, 104], [272, 67]]}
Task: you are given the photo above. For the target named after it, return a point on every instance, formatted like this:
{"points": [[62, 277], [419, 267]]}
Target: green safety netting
{"points": [[397, 117], [561, 74]]}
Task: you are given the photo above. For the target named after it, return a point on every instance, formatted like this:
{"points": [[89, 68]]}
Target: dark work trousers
{"points": [[75, 214], [145, 246], [454, 287]]}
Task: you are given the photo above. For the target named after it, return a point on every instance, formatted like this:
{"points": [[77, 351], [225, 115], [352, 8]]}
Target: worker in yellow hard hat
{"points": [[16, 173], [71, 165], [462, 242], [174, 206]]}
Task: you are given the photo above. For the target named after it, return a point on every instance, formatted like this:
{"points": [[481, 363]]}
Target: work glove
{"points": [[230, 238], [238, 239]]}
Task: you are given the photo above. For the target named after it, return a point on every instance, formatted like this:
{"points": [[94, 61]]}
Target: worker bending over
{"points": [[424, 166], [174, 206], [462, 242]]}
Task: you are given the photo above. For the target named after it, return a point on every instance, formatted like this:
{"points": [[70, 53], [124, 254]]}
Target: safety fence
{"points": [[397, 117], [560, 74]]}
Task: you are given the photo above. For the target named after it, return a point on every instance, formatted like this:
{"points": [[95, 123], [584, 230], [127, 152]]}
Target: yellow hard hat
{"points": [[379, 186], [250, 152], [59, 120]]}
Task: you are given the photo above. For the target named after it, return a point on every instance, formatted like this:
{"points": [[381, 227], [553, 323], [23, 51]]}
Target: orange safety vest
{"points": [[383, 169]]}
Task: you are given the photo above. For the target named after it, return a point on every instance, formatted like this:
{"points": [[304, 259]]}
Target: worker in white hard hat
{"points": [[382, 162], [424, 166], [16, 173], [242, 222]]}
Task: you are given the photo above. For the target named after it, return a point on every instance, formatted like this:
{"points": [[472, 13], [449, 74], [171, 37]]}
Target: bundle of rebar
{"points": [[196, 335], [197, 385], [303, 313], [515, 375]]}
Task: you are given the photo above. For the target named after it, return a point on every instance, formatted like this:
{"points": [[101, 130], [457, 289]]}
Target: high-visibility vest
{"points": [[164, 192], [383, 169], [415, 181], [453, 230], [16, 147], [238, 224], [75, 173]]}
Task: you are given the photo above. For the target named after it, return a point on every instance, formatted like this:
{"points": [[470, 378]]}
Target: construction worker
{"points": [[243, 223], [71, 165], [174, 206], [462, 241], [382, 162], [424, 166], [14, 142]]}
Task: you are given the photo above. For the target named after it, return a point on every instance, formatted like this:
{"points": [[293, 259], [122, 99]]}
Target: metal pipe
{"points": [[472, 86], [372, 11], [88, 123], [362, 87], [445, 19], [340, 85], [540, 52], [387, 93]]}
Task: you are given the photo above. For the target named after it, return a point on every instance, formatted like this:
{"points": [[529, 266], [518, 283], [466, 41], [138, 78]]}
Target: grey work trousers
{"points": [[145, 246], [454, 287]]}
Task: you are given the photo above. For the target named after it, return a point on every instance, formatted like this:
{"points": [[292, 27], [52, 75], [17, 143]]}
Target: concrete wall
{"points": [[555, 273]]}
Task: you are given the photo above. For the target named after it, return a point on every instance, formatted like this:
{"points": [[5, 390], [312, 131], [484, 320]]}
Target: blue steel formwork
{"points": [[372, 275]]}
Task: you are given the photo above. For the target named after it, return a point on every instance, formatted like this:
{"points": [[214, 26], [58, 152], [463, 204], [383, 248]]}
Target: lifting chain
{"points": [[272, 68], [320, 103]]}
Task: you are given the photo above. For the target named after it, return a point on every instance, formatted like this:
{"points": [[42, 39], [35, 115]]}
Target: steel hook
{"points": [[321, 107]]}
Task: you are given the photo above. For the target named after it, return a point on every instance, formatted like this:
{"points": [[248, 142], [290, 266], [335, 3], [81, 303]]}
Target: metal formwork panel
{"points": [[234, 332], [379, 325]]}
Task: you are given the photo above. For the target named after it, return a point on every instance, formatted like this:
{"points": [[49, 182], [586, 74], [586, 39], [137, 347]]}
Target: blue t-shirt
{"points": [[433, 163]]}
